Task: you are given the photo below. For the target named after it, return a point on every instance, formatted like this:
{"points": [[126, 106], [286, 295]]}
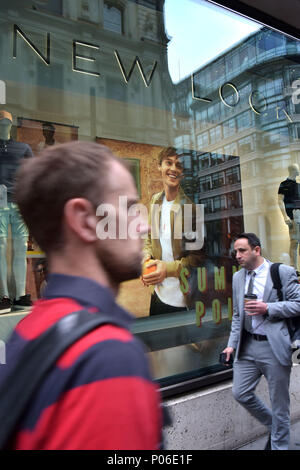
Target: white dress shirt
{"points": [[259, 283]]}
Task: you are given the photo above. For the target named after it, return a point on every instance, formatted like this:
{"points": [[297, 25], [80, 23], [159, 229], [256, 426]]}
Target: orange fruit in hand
{"points": [[149, 269]]}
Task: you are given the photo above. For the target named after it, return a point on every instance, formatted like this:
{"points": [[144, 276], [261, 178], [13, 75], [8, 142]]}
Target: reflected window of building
{"points": [[208, 208], [277, 137], [231, 151], [216, 158], [205, 183], [219, 203], [215, 134], [187, 162], [245, 120], [270, 40], [204, 161], [232, 175], [295, 72], [246, 145], [234, 200], [51, 6], [201, 118], [112, 17], [202, 140], [217, 179], [218, 70], [229, 128]]}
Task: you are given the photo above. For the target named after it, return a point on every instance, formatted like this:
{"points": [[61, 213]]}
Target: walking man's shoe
{"points": [[268, 444]]}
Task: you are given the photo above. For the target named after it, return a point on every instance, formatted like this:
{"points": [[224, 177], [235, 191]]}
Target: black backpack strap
{"points": [[293, 324], [274, 270], [36, 360]]}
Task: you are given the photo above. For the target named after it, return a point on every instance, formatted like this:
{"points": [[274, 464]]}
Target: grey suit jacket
{"points": [[274, 324]]}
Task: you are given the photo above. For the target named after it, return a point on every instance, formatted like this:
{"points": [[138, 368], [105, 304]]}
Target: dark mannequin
{"points": [[289, 205]]}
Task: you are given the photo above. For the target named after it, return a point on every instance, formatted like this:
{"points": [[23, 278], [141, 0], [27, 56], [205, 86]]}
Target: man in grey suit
{"points": [[260, 338]]}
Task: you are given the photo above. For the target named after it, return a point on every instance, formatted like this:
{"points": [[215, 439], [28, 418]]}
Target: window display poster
{"points": [[198, 278]]}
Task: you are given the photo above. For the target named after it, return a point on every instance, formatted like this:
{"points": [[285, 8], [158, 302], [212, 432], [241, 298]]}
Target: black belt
{"points": [[256, 337]]}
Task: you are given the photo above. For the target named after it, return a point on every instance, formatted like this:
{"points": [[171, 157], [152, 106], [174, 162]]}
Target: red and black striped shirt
{"points": [[99, 394]]}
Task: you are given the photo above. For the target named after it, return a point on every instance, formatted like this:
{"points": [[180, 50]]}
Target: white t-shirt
{"points": [[169, 291], [43, 145]]}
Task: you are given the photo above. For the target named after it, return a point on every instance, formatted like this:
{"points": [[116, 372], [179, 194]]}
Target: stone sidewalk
{"points": [[259, 443]]}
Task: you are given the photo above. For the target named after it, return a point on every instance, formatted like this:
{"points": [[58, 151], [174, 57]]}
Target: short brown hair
{"points": [[167, 152], [45, 183]]}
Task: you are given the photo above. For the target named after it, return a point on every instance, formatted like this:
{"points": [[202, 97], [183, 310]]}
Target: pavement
{"points": [[260, 443]]}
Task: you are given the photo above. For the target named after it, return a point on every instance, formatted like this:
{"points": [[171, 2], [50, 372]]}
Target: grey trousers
{"points": [[257, 359]]}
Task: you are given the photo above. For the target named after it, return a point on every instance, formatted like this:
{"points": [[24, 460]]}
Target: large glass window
{"points": [[142, 77]]}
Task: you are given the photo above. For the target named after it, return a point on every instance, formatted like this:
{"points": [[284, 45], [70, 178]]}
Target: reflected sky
{"points": [[199, 32]]}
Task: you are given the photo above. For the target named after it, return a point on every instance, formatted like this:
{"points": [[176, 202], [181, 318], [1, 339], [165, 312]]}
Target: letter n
{"points": [[17, 30]]}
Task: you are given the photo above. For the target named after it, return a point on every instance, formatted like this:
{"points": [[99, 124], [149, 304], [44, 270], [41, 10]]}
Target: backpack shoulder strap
{"points": [[274, 270], [293, 323], [36, 360]]}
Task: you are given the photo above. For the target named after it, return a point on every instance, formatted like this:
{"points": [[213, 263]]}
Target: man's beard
{"points": [[116, 270]]}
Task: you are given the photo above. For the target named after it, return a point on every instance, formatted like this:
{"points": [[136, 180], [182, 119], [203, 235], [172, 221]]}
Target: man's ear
{"points": [[80, 218], [258, 250]]}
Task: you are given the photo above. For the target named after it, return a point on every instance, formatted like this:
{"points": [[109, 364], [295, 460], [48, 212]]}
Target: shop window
{"points": [[228, 153]]}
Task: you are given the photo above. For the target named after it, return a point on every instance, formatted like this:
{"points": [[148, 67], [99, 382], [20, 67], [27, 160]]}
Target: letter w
{"points": [[137, 62]]}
